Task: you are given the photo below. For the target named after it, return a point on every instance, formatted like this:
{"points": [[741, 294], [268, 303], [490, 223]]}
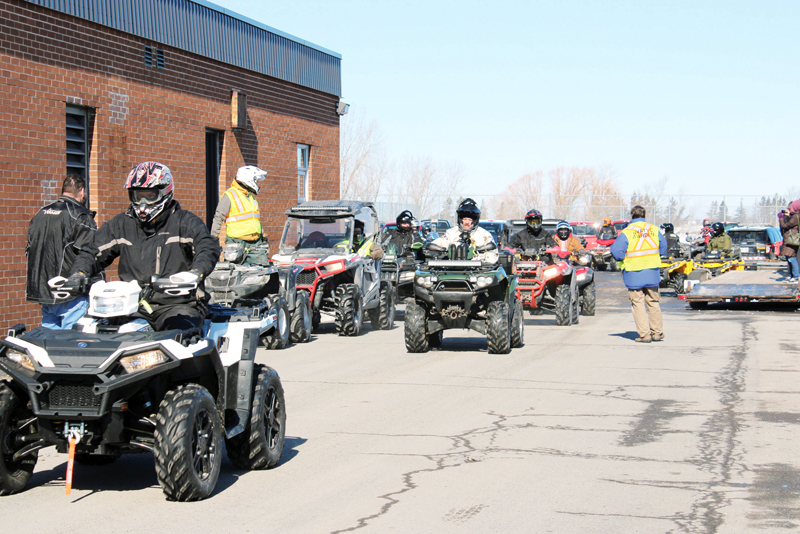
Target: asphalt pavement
{"points": [[581, 430]]}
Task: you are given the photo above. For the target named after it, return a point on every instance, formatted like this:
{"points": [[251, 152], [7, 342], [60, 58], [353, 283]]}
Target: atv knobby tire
{"points": [[300, 329], [498, 331], [382, 317], [14, 476], [188, 443], [678, 283], [278, 337], [350, 312], [589, 299], [261, 444], [563, 298], [517, 327], [417, 339]]}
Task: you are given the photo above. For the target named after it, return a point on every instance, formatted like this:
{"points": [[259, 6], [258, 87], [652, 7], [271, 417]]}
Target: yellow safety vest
{"points": [[642, 250], [364, 250], [242, 221]]}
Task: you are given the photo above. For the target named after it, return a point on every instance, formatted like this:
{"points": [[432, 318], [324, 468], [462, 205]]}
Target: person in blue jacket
{"points": [[638, 248]]}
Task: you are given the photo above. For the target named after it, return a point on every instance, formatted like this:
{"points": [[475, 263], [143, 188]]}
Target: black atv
{"points": [[461, 292], [113, 386], [398, 271], [236, 284]]}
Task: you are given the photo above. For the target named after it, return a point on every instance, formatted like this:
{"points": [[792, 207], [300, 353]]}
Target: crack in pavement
{"points": [[718, 442]]}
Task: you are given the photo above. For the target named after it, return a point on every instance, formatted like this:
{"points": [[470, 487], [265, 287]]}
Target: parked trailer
{"points": [[743, 287]]}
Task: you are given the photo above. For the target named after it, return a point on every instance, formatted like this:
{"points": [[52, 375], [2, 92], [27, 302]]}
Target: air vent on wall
{"points": [[160, 58], [148, 56]]}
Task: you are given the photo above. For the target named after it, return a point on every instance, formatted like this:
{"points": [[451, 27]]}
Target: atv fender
{"points": [[237, 385]]}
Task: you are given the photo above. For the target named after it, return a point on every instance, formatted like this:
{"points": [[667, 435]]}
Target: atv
{"points": [[336, 280], [236, 284], [398, 270], [716, 262], [549, 281], [601, 255], [462, 292], [113, 386], [675, 269]]}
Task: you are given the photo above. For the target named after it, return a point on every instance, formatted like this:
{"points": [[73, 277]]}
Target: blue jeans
{"points": [[65, 314], [794, 269]]}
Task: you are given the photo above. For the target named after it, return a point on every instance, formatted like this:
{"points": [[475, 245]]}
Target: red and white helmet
{"points": [[150, 189], [249, 176]]}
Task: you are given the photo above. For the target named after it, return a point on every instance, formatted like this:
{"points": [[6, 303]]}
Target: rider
{"points": [[533, 236], [673, 241], [365, 245], [608, 231], [238, 207], [564, 238], [706, 231], [154, 236], [719, 241], [402, 237], [468, 232]]}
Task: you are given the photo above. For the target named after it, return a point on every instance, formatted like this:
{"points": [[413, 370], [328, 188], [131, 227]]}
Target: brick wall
{"points": [[49, 60]]}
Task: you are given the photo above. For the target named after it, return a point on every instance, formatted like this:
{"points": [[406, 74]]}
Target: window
{"points": [[303, 191]]}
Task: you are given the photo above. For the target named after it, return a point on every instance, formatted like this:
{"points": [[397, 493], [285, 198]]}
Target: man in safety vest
{"points": [[238, 207], [363, 245], [641, 245]]}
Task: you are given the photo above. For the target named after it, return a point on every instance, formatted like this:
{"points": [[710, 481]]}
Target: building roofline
{"points": [[235, 15]]}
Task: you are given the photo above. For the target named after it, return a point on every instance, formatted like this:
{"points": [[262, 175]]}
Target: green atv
{"points": [[461, 292]]}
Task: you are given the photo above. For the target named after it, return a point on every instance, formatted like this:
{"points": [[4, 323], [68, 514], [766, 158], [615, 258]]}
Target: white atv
{"points": [[337, 281], [114, 386]]}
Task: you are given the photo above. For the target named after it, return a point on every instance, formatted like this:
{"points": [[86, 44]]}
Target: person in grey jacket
{"points": [[56, 234]]}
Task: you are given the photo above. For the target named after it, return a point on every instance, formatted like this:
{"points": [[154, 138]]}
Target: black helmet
{"points": [[533, 220], [404, 221], [470, 210], [668, 228], [717, 229]]}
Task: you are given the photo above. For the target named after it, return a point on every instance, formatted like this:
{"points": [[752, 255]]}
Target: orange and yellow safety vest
{"points": [[643, 252], [243, 218]]}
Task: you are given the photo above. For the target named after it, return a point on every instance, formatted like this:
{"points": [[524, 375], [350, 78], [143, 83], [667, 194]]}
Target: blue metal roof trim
{"points": [[190, 24]]}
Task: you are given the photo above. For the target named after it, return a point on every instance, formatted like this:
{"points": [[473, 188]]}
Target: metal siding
{"points": [[201, 30]]}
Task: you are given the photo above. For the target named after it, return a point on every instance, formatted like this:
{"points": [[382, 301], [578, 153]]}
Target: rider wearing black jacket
{"points": [[533, 236], [156, 237], [402, 236]]}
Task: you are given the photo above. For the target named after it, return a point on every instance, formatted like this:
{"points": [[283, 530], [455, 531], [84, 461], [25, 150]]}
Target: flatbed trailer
{"points": [[744, 286]]}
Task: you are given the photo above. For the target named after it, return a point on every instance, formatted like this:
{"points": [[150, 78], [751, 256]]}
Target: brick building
{"points": [[96, 86]]}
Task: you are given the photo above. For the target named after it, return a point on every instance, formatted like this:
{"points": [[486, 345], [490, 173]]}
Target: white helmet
{"points": [[249, 176]]}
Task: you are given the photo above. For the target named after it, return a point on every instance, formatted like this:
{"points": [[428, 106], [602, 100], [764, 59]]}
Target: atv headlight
{"points": [[110, 305], [426, 281], [338, 266], [405, 277], [584, 260], [22, 359], [550, 272], [484, 281], [142, 361], [254, 280]]}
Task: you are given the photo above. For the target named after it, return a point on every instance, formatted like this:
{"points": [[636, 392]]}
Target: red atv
{"points": [[548, 280]]}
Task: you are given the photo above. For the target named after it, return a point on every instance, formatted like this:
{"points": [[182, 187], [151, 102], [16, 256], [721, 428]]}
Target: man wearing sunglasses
{"points": [[154, 236]]}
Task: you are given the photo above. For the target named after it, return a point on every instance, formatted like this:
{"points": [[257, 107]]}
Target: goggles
{"points": [[148, 195]]}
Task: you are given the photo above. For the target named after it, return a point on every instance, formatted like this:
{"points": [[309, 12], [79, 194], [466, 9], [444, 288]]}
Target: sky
{"points": [[704, 93]]}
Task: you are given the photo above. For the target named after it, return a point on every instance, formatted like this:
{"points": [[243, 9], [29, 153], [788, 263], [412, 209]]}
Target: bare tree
{"points": [[424, 183], [567, 187], [601, 193], [521, 195], [363, 164]]}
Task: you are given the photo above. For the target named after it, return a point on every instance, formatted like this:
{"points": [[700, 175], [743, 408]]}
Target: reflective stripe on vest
{"points": [[643, 252], [242, 220]]}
